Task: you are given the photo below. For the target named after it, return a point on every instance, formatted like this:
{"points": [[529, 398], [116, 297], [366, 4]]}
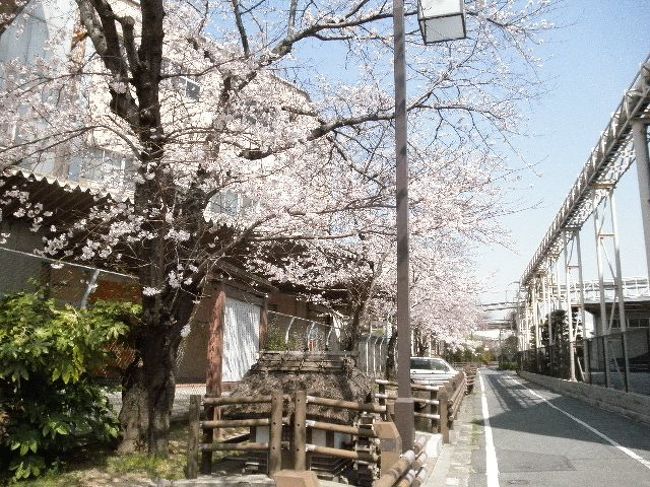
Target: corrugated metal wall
{"points": [[241, 338]]}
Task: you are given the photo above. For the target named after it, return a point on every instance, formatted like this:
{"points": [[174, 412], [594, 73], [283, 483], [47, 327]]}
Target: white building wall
{"points": [[40, 31]]}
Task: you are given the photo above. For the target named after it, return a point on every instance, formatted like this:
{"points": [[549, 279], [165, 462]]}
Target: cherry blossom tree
{"points": [[287, 105]]}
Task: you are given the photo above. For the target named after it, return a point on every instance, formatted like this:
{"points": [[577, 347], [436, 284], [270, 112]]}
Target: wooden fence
{"points": [[202, 440], [203, 444], [408, 471], [470, 370], [439, 400]]}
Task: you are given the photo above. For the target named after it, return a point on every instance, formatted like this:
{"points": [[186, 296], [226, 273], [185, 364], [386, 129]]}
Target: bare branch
{"points": [[240, 27]]}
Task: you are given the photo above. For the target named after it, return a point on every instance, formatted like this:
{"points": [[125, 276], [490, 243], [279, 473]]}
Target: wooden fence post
{"points": [[206, 455], [383, 401], [194, 437], [300, 431], [433, 395], [275, 433], [443, 411]]}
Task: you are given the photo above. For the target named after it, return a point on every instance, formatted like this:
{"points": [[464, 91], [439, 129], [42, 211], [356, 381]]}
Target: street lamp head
{"points": [[441, 20]]}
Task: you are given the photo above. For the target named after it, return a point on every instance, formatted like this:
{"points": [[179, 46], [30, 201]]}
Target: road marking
{"points": [[612, 442], [491, 463]]}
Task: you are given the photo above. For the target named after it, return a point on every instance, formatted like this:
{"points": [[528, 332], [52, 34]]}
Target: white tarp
{"points": [[241, 339]]}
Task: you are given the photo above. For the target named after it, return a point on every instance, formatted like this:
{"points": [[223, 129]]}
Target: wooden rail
{"points": [[407, 471], [298, 423], [443, 397], [470, 374], [439, 406], [210, 442]]}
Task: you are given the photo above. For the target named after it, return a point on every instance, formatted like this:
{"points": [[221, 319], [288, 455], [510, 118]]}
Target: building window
{"points": [[639, 322], [192, 89], [185, 85], [111, 169], [228, 203]]}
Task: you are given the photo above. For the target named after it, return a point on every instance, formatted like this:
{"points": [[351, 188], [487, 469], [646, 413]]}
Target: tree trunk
{"points": [[149, 384], [133, 415], [159, 377], [354, 329], [148, 392]]}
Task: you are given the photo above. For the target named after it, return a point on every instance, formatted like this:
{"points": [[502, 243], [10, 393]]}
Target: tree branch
{"points": [[240, 27]]}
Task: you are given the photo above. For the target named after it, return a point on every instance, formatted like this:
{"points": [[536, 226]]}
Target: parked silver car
{"points": [[428, 369]]}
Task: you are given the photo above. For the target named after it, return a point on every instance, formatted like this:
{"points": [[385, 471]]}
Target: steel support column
{"points": [[602, 329], [546, 310], [527, 317], [535, 305], [619, 289], [567, 290], [583, 315], [640, 136], [605, 227]]}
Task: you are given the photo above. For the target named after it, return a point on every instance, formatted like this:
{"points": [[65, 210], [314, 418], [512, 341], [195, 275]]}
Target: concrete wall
{"points": [[635, 406]]}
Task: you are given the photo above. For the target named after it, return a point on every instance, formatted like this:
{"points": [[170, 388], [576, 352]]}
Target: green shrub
{"points": [[49, 402], [275, 342]]}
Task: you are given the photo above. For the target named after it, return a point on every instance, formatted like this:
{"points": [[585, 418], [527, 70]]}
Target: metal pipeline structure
{"points": [[553, 279]]}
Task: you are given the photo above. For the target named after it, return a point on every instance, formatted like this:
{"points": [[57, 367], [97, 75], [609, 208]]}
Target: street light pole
{"points": [[404, 412], [439, 21]]}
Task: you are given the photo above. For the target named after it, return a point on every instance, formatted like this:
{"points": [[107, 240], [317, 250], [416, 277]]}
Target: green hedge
{"points": [[49, 402]]}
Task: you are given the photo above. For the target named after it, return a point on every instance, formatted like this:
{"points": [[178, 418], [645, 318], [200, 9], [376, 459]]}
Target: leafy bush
{"points": [[275, 342], [49, 402]]}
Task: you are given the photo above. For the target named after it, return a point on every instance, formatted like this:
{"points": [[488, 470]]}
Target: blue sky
{"points": [[589, 60], [588, 64]]}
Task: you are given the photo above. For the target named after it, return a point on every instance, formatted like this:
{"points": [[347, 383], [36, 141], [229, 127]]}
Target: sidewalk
{"points": [[454, 465]]}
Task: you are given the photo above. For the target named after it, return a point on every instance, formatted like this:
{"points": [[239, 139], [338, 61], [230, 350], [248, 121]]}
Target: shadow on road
{"points": [[520, 411]]}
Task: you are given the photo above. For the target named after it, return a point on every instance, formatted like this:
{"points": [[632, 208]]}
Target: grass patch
{"points": [[172, 468], [97, 467]]}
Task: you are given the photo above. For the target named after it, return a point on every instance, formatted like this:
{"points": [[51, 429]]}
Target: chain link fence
{"points": [[288, 332], [618, 360], [373, 354], [607, 356]]}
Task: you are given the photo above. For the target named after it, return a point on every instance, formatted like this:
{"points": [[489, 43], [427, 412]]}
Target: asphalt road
{"points": [[534, 437]]}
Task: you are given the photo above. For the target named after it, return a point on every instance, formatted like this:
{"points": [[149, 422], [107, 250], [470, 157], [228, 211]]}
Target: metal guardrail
{"points": [[633, 287]]}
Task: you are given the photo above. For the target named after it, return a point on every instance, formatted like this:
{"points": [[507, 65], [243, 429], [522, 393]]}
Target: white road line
{"points": [[491, 463], [612, 442]]}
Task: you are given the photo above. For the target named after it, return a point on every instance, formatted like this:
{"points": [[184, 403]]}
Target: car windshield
{"points": [[428, 364]]}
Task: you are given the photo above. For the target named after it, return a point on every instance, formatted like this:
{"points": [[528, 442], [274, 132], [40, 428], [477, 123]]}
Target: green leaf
{"points": [[46, 353]]}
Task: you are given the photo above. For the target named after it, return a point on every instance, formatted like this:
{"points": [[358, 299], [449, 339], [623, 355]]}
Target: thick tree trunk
{"points": [[149, 384], [148, 392], [159, 377], [133, 415], [351, 346]]}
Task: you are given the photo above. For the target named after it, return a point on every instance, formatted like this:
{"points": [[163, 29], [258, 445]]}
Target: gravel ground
{"points": [[181, 399]]}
